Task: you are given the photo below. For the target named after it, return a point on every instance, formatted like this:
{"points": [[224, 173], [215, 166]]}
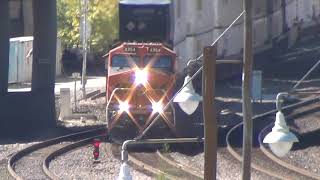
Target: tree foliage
{"points": [[102, 15]]}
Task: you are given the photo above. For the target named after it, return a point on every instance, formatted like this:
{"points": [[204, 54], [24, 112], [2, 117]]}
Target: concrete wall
{"points": [[273, 20]]}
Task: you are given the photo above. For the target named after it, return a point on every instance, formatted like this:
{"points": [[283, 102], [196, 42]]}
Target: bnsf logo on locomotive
{"points": [[154, 50], [130, 49]]}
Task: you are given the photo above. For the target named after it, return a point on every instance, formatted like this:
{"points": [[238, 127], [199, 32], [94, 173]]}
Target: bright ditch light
{"points": [[141, 77], [157, 107], [123, 106], [280, 139], [187, 98]]}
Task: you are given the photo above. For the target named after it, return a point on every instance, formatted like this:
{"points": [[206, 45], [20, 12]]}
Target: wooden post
{"points": [[246, 91], [209, 112], [4, 46]]}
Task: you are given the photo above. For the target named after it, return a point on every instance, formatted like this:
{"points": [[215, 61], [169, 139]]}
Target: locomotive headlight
{"points": [[157, 107], [124, 106], [141, 77]]}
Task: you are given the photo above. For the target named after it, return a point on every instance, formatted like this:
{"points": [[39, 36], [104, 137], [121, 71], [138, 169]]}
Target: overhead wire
{"points": [[193, 76]]}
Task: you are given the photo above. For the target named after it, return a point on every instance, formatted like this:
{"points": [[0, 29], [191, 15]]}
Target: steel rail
{"points": [[20, 154], [305, 76], [278, 160], [63, 150], [282, 163], [255, 166], [262, 116], [149, 168], [184, 168], [157, 171], [193, 76]]}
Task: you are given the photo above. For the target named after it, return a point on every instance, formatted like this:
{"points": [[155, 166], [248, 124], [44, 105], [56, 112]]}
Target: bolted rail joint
{"points": [[125, 169]]}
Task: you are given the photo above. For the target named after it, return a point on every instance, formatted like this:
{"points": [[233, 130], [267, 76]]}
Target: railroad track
{"points": [[157, 164], [162, 166], [40, 154], [262, 159]]}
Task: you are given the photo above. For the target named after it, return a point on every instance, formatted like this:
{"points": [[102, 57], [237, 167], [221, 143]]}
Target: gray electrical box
{"points": [[256, 89]]}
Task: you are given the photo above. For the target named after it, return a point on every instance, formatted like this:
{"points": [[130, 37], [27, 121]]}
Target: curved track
{"points": [[161, 166], [44, 152], [187, 169], [157, 164], [262, 160]]}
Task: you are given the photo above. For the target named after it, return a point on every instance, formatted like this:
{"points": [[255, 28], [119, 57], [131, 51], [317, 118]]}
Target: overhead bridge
{"points": [[22, 111]]}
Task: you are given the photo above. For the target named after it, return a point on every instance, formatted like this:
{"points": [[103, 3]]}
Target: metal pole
{"points": [[305, 76], [84, 62], [193, 76], [246, 89], [209, 116], [75, 95]]}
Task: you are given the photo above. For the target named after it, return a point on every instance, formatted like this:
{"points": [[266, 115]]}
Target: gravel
{"points": [[79, 164], [306, 153], [227, 167], [7, 149]]}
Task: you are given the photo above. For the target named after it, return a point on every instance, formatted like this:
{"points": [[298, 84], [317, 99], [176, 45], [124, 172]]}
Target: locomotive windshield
{"points": [[122, 61], [159, 62]]}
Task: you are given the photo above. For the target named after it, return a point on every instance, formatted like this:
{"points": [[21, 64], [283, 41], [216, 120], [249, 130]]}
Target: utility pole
{"points": [[246, 91], [209, 113], [84, 34]]}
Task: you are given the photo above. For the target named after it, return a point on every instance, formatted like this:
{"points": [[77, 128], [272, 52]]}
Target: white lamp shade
{"points": [[280, 139], [187, 98], [280, 149], [189, 107]]}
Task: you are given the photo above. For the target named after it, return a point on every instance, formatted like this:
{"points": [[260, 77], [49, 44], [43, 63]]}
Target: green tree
{"points": [[102, 15]]}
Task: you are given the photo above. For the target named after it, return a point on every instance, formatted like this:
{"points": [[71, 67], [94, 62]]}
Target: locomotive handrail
{"points": [[227, 61], [112, 94], [171, 105], [304, 77], [220, 61], [193, 76], [116, 89]]}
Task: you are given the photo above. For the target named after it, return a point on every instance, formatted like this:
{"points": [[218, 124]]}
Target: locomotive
{"points": [[141, 71]]}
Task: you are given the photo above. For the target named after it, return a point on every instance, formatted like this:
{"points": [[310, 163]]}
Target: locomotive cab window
{"points": [[159, 62], [122, 61]]}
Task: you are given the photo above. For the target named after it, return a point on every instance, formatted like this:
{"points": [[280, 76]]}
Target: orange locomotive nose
{"points": [[140, 83]]}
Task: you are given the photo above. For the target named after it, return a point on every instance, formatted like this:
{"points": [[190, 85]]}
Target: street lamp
{"points": [[280, 139], [187, 98]]}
